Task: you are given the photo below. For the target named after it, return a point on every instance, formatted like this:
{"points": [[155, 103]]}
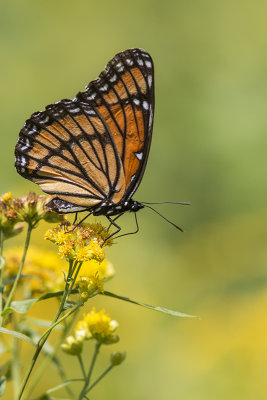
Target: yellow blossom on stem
{"points": [[104, 270], [90, 286], [9, 220], [6, 197], [101, 326], [73, 346], [32, 208], [98, 326], [82, 330], [80, 243], [42, 271]]}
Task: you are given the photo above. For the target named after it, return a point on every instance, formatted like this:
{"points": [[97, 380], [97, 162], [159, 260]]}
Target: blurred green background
{"points": [[209, 148]]}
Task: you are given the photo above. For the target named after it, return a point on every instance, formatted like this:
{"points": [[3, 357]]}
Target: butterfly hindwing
{"points": [[67, 151]]}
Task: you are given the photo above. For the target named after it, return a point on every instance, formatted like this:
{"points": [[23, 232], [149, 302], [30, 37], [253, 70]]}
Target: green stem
{"points": [[82, 365], [47, 332], [27, 242], [1, 274], [48, 359], [1, 242], [87, 381], [45, 336], [100, 377], [15, 367], [76, 275]]}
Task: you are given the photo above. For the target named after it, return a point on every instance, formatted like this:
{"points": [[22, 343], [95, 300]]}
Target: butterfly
{"points": [[91, 152]]}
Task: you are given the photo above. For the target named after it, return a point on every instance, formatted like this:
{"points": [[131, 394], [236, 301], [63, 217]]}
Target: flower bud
{"points": [[117, 357], [110, 339], [89, 287], [73, 346]]}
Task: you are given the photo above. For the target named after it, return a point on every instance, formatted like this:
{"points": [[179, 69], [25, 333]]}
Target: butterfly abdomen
{"points": [[115, 209]]}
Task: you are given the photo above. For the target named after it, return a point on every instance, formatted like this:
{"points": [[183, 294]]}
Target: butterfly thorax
{"points": [[103, 208], [115, 209]]}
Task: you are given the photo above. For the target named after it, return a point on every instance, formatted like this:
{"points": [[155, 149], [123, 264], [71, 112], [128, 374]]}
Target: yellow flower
{"points": [[84, 253], [42, 271], [32, 208], [9, 225], [6, 197], [82, 330], [101, 326], [66, 250], [49, 235], [80, 243], [104, 269], [90, 286]]}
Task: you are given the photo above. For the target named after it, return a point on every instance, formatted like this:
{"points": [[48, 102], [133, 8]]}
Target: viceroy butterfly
{"points": [[90, 153]]}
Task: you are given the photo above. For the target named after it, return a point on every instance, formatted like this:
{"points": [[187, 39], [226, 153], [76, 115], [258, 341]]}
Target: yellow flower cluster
{"points": [[80, 243], [101, 326], [90, 286], [42, 271], [94, 325], [30, 209], [9, 221]]}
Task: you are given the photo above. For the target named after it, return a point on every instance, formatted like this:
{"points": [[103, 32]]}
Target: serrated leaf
{"points": [[160, 309], [2, 385], [17, 335]]}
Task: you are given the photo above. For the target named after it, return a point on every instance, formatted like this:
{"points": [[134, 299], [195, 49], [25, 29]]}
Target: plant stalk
{"points": [[87, 381], [100, 377], [45, 336], [27, 242]]}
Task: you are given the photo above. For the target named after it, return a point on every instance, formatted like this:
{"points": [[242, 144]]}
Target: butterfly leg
{"points": [[79, 223], [131, 233], [114, 224], [75, 219], [118, 216]]}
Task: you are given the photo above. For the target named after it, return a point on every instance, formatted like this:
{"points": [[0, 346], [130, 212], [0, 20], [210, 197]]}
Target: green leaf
{"points": [[2, 385], [160, 309], [62, 385], [44, 323], [35, 336], [17, 335], [22, 306]]}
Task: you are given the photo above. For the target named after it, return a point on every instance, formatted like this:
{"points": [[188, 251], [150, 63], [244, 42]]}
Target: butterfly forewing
{"points": [[124, 96], [94, 148]]}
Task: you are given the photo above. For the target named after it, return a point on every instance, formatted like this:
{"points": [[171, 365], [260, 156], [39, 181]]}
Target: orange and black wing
{"points": [[124, 97], [94, 148], [69, 152]]}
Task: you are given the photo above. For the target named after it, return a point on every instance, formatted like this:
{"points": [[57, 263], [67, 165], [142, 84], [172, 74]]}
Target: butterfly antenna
{"points": [[183, 203], [162, 216]]}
